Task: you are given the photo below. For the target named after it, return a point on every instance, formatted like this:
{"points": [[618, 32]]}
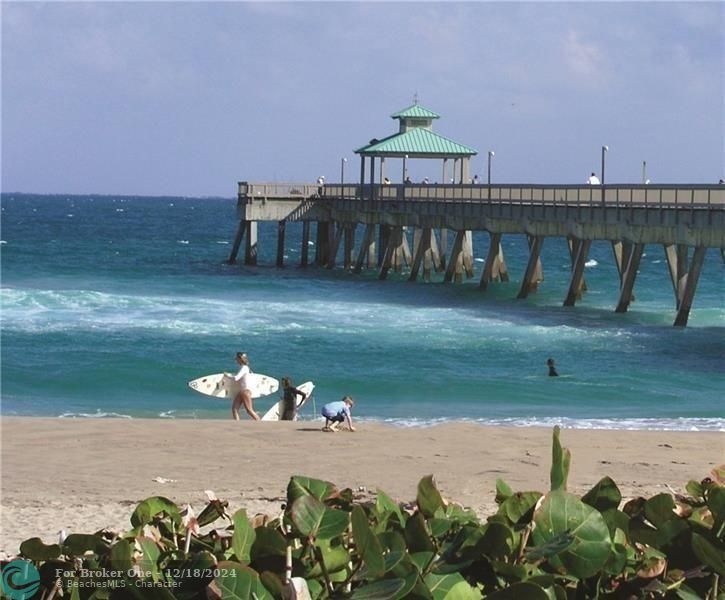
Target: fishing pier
{"points": [[426, 228]]}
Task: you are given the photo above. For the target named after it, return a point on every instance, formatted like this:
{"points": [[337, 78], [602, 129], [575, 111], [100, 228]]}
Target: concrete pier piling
{"points": [[677, 217]]}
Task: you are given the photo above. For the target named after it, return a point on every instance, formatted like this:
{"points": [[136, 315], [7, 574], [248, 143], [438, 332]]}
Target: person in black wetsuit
{"points": [[552, 368], [289, 410]]}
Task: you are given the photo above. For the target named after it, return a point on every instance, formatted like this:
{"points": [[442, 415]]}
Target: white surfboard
{"points": [[274, 413], [219, 385]]}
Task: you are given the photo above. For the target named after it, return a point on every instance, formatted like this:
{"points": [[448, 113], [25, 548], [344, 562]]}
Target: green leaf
{"points": [[299, 487], [392, 541], [497, 541], [243, 536], [695, 489], [212, 511], [616, 519], [552, 547], [560, 461], [367, 543], [421, 560], [503, 491], [268, 542], [708, 554], [336, 558], [384, 505], [392, 559], [312, 518], [187, 572], [416, 535], [450, 587], [562, 512], [429, 498], [152, 507], [604, 495], [519, 507], [77, 544], [385, 588], [148, 563], [35, 549], [519, 590], [237, 582], [122, 555], [716, 504], [659, 509]]}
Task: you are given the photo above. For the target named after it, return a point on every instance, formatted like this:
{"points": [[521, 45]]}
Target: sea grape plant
{"points": [[325, 544]]}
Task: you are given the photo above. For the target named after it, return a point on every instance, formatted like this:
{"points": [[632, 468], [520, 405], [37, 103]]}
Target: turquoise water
{"points": [[110, 305]]}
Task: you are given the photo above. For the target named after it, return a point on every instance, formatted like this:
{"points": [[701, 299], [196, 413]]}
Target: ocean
{"points": [[109, 305]]}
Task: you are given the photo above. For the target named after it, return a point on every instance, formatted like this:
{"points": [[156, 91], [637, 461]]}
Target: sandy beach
{"points": [[83, 475]]}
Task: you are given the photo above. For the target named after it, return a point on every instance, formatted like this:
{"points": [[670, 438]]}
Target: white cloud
{"points": [[585, 60]]}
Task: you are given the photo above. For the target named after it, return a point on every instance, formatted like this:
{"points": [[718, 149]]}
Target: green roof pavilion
{"points": [[416, 139]]}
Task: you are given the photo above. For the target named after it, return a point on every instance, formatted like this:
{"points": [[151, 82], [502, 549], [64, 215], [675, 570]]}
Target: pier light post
{"points": [[605, 149], [343, 160], [491, 154]]}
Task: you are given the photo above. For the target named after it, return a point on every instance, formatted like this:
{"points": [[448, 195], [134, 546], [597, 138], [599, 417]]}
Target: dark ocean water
{"points": [[111, 304]]}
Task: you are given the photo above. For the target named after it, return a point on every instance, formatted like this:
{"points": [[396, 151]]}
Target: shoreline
{"points": [[663, 424], [82, 475]]}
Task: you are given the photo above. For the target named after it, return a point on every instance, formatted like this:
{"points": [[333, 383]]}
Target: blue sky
{"points": [[189, 98]]}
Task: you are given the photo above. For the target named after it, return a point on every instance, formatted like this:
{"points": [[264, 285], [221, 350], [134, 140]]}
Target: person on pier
{"points": [[244, 396], [593, 179]]}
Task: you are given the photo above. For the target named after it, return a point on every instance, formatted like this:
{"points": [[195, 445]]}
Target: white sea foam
{"points": [[182, 241], [591, 263], [99, 414], [631, 424]]}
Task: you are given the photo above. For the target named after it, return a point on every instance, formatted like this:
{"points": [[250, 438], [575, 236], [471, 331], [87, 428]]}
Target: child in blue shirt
{"points": [[338, 412]]}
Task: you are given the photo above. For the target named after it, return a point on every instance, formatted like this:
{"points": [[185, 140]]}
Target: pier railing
{"points": [[618, 195]]}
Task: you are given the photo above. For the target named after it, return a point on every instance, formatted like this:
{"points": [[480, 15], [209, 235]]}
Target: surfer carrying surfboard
{"points": [[290, 394], [244, 396]]}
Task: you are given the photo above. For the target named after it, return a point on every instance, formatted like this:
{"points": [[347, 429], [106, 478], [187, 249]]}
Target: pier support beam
{"points": [[468, 254], [322, 243], [494, 269], [577, 271], [349, 246], [422, 245], [455, 264], [443, 248], [688, 293], [305, 249], [237, 241], [533, 274], [250, 250], [383, 239], [676, 256], [367, 249], [395, 241], [574, 244], [335, 234], [281, 225], [628, 277], [622, 250]]}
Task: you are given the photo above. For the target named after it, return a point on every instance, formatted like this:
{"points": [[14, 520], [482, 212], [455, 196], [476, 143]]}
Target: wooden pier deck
{"points": [[678, 217]]}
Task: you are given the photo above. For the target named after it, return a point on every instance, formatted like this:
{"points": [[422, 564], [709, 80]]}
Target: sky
{"points": [[172, 98]]}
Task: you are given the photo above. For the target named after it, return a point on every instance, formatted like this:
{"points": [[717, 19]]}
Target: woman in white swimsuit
{"points": [[244, 397]]}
